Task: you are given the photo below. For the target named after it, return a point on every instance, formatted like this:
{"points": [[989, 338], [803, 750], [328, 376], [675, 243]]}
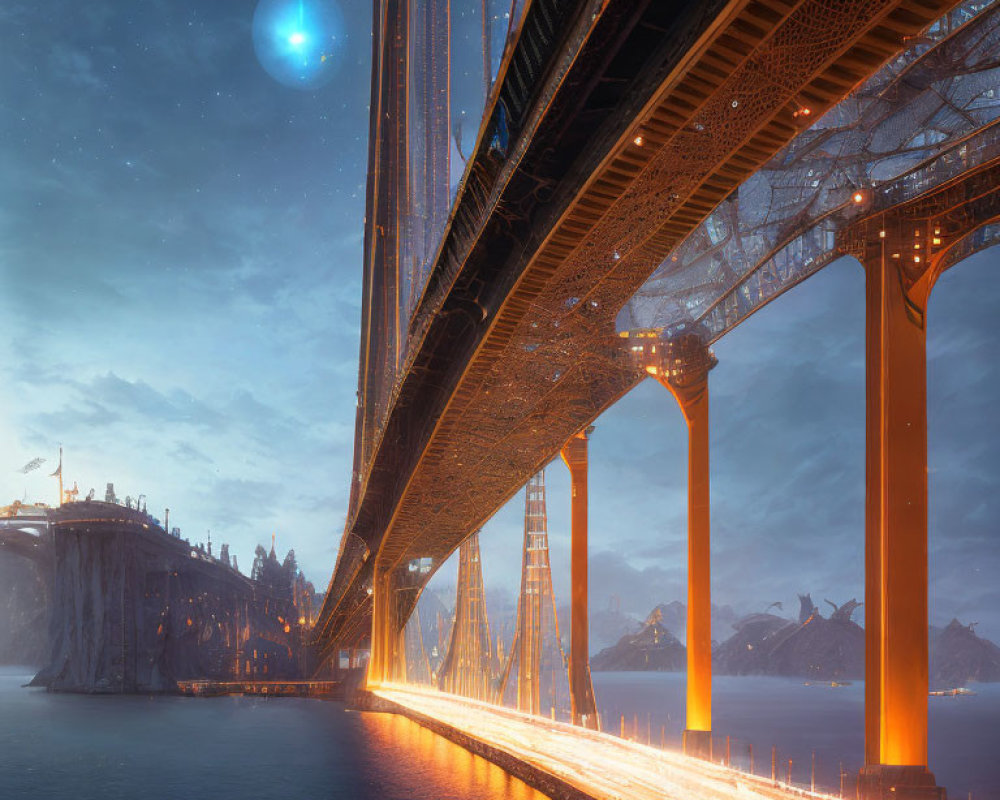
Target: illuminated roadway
{"points": [[598, 764]]}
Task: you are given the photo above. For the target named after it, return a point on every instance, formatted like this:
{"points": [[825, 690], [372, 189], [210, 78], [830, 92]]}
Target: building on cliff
{"points": [[135, 609]]}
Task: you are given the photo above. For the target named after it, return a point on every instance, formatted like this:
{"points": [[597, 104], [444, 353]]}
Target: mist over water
{"points": [[167, 748], [798, 719]]}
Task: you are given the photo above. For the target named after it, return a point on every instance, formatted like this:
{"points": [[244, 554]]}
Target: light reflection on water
{"points": [[108, 748], [164, 748], [799, 719], [453, 768]]}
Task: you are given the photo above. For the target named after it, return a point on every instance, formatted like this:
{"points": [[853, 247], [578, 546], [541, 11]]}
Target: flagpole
{"points": [[60, 477]]}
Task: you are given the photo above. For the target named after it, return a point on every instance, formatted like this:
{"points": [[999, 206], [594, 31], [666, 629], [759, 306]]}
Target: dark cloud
{"points": [[186, 452], [142, 400]]}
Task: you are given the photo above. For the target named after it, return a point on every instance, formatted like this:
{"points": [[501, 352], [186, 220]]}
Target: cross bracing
{"points": [[924, 118]]}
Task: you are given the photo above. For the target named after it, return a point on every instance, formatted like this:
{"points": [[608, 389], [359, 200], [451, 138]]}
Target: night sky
{"points": [[180, 287]]}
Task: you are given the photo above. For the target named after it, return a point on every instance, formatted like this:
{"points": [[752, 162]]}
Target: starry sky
{"points": [[180, 285]]}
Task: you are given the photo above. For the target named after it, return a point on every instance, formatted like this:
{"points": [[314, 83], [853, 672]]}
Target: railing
{"points": [[813, 773]]}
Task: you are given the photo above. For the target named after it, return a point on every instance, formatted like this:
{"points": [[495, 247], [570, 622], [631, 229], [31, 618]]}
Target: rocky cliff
{"points": [[136, 610], [958, 656], [748, 651], [818, 647], [675, 619], [652, 648]]}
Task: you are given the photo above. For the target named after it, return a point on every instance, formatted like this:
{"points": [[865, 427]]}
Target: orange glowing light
{"points": [[857, 197], [601, 764], [916, 259], [190, 623], [935, 240], [288, 628], [638, 140]]}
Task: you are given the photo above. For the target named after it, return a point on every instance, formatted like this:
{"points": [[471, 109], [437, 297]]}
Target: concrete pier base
{"points": [[890, 782], [698, 744]]}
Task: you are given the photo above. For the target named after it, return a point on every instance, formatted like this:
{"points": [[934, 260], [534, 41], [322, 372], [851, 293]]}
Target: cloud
{"points": [[186, 452], [75, 67]]}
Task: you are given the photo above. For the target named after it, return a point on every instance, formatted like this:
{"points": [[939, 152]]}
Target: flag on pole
{"points": [[34, 464], [58, 474]]}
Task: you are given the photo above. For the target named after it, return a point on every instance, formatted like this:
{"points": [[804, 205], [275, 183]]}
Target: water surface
{"points": [[799, 718], [105, 748], [110, 747]]}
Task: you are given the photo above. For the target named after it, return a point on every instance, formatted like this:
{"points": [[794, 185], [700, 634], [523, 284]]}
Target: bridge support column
{"points": [[387, 644], [581, 688], [896, 647], [689, 385]]}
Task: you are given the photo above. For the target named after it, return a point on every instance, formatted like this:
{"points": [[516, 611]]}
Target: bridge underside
{"points": [[513, 345], [927, 116]]}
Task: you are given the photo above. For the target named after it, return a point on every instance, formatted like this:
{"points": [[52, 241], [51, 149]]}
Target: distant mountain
{"points": [[814, 646], [673, 617], [818, 647], [652, 648], [959, 656], [675, 620], [748, 651], [607, 626], [823, 648]]}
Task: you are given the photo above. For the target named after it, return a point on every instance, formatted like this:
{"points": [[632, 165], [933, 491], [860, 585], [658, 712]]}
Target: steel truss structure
{"points": [[926, 117]]}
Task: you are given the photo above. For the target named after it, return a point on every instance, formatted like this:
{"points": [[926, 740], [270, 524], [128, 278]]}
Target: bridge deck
{"points": [[598, 764]]}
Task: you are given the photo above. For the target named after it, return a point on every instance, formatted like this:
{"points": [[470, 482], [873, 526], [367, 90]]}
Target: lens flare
{"points": [[299, 42]]}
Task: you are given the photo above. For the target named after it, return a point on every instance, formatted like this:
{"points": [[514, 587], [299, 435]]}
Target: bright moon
{"points": [[300, 43]]}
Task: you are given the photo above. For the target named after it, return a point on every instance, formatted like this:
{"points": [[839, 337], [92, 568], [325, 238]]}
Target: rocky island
{"points": [[815, 647]]}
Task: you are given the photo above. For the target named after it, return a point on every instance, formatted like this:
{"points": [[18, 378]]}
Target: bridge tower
{"points": [[581, 688], [429, 141], [536, 651], [468, 666], [680, 361], [903, 251]]}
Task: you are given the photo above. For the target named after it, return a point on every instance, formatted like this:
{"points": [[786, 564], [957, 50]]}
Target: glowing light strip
{"points": [[599, 764]]}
